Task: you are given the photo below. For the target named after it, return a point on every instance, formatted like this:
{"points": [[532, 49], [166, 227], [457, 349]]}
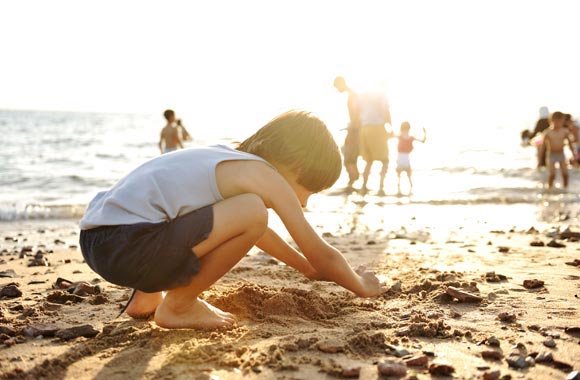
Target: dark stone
{"points": [[10, 291], [86, 331], [533, 284]]}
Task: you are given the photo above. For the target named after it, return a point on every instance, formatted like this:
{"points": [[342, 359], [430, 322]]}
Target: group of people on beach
{"points": [[367, 136], [552, 133]]}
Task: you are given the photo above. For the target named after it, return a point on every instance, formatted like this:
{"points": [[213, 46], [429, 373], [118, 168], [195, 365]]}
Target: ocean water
{"points": [[53, 163]]}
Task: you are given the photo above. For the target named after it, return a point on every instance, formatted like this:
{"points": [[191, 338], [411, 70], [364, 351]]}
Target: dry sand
{"points": [[294, 328]]}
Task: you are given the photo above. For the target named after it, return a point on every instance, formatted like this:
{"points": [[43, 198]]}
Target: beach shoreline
{"points": [[293, 328]]}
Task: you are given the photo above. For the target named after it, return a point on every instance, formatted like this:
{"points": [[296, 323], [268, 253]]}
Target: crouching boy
{"points": [[181, 221]]}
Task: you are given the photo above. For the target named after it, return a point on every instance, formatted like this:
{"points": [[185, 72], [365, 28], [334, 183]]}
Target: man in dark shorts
{"points": [[351, 147]]}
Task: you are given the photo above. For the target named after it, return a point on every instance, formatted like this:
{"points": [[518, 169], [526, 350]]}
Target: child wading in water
{"points": [[181, 221], [555, 138], [404, 148]]}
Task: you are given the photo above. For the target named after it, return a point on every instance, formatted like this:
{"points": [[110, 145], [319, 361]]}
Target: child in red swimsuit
{"points": [[404, 149]]}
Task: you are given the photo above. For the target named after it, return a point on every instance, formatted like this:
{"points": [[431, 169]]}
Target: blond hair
{"points": [[301, 142]]}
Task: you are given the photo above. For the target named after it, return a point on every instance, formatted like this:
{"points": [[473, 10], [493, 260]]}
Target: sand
{"points": [[293, 328]]}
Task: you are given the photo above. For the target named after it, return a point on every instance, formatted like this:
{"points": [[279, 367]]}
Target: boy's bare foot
{"points": [[143, 305], [198, 315]]}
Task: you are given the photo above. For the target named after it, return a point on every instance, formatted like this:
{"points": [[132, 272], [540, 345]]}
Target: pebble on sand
{"points": [[462, 296], [392, 367], [533, 284], [437, 369]]}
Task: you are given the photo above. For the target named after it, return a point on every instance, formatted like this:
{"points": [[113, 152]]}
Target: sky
{"points": [[237, 61]]}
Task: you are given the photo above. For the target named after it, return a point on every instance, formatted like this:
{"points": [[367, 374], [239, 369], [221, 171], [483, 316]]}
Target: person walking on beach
{"points": [[555, 137], [404, 149], [374, 113], [171, 135], [181, 221], [351, 147]]}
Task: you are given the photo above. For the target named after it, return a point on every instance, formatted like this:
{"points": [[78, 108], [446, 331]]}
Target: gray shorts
{"points": [[557, 157], [150, 257]]}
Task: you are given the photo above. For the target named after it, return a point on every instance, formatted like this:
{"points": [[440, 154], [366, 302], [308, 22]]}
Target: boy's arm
{"points": [[424, 135], [161, 140], [274, 245], [325, 259], [571, 145], [388, 117]]}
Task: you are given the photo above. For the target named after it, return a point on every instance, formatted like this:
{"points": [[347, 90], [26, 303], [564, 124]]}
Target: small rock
{"points": [[518, 361], [10, 290], [86, 331], [417, 361], [38, 261], [98, 299], [391, 367], [574, 375], [574, 263], [350, 373], [554, 244], [492, 355], [544, 357], [575, 330], [330, 347], [404, 331], [493, 341], [533, 284], [8, 273], [40, 329], [506, 317], [437, 369], [462, 296], [550, 342], [58, 296], [493, 277], [503, 249], [491, 375], [537, 243], [397, 351]]}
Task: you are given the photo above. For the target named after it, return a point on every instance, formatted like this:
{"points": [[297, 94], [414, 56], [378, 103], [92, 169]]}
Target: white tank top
{"points": [[163, 188], [373, 107]]}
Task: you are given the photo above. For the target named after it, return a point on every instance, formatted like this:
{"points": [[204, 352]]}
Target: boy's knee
{"points": [[257, 209]]}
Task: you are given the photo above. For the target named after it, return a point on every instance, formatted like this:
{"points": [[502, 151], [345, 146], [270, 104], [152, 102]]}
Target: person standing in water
{"points": [[555, 138], [351, 147], [374, 113], [170, 139], [404, 148]]}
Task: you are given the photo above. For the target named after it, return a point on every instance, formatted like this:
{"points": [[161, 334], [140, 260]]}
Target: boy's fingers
{"points": [[361, 269]]}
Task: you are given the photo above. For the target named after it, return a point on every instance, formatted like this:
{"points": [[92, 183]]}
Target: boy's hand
{"points": [[312, 274], [370, 283]]}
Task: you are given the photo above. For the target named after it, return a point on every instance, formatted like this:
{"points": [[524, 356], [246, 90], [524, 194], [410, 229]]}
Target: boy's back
{"points": [[163, 188]]}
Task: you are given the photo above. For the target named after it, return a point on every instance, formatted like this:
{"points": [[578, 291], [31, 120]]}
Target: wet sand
{"points": [[293, 328]]}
